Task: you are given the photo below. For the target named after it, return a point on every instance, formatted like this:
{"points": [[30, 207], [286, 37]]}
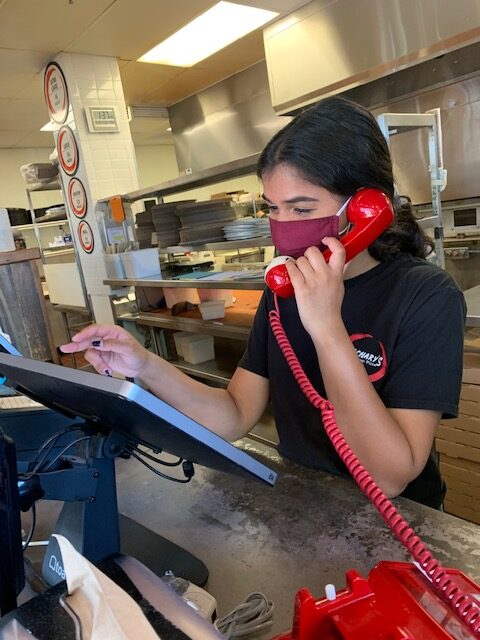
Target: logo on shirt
{"points": [[371, 354]]}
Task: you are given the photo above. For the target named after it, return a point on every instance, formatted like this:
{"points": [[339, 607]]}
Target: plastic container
{"points": [[179, 338], [114, 265], [217, 294], [198, 348], [212, 309], [141, 263], [7, 243]]}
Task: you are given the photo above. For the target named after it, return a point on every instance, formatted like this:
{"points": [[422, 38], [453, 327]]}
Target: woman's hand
{"points": [[110, 348], [319, 287]]}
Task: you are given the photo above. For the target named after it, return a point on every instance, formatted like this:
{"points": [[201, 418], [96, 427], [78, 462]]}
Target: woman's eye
{"points": [[300, 211], [271, 208]]}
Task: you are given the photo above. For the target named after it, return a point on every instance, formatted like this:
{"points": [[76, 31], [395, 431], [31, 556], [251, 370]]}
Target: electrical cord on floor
{"points": [[254, 614]]}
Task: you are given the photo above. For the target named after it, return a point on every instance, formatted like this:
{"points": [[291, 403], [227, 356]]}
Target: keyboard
{"points": [[17, 402]]}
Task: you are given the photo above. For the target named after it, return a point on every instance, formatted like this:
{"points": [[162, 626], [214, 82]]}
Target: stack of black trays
{"points": [[144, 229], [203, 222], [166, 223]]}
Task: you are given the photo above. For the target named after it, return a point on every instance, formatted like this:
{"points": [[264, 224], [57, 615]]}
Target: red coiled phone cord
{"points": [[464, 605]]}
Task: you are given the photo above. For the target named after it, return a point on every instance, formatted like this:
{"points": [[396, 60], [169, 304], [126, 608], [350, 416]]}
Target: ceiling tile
{"points": [[21, 115], [129, 29], [34, 139], [140, 78], [47, 26], [33, 91], [9, 138], [33, 32], [19, 69], [185, 84], [248, 50], [275, 5]]}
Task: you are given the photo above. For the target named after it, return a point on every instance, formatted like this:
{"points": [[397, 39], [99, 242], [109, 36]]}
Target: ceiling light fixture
{"points": [[213, 30]]}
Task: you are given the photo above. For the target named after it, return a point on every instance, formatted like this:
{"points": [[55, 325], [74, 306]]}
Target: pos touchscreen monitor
{"points": [[111, 404]]}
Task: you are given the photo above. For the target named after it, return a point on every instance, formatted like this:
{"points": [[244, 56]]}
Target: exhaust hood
{"points": [[329, 46]]}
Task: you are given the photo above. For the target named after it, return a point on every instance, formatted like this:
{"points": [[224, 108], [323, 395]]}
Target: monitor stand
{"points": [[90, 520], [158, 553]]}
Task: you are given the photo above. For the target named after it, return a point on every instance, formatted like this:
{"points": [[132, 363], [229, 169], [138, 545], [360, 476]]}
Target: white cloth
{"points": [[105, 611]]}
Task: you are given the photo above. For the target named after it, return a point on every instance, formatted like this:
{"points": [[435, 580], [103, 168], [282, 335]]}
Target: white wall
{"points": [[155, 164], [158, 163], [12, 185]]}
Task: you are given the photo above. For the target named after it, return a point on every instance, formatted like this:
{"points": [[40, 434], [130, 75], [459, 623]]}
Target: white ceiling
{"points": [[32, 32]]}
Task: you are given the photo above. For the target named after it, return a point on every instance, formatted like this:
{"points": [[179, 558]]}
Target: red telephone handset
{"points": [[369, 212]]}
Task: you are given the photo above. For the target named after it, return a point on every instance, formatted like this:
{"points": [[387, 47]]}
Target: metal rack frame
{"points": [[395, 123]]}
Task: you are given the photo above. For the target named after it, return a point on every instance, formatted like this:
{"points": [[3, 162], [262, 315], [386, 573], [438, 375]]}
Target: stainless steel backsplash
{"points": [[234, 119], [230, 120]]}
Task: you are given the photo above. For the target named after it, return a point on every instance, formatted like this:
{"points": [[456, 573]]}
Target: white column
{"points": [[93, 165]]}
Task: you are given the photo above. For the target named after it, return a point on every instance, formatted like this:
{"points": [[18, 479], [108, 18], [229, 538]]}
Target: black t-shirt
{"points": [[406, 320]]}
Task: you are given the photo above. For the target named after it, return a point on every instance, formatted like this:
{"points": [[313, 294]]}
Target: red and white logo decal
{"points": [[85, 235], [371, 354], [67, 150], [77, 198], [56, 93]]}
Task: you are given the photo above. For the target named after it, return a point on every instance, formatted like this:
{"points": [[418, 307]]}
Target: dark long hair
{"points": [[338, 145]]}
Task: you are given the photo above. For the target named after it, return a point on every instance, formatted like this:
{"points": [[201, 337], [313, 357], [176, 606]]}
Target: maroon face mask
{"points": [[293, 238]]}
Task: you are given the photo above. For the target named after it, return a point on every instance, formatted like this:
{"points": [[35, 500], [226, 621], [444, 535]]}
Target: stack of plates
{"points": [[246, 228]]}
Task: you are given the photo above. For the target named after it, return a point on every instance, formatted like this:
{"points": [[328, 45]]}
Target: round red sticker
{"points": [[56, 93], [77, 198], [67, 150], [85, 235]]}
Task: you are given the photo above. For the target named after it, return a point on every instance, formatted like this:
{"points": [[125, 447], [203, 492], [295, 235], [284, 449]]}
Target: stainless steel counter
{"points": [[306, 531]]}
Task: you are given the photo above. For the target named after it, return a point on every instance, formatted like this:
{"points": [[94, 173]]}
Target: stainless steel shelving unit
{"points": [[256, 284], [37, 226], [225, 171], [221, 328]]}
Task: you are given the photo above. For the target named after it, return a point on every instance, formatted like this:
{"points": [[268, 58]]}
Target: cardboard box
{"points": [[466, 471], [462, 512], [464, 436], [455, 496], [471, 368], [458, 445], [226, 194], [455, 450]]}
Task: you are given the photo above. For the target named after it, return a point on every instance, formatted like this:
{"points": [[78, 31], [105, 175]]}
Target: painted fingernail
{"points": [[96, 343]]}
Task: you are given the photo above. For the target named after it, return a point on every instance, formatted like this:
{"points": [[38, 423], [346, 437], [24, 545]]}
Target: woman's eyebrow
{"points": [[294, 200]]}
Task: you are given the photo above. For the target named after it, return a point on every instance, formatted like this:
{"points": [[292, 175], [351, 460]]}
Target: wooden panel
{"points": [[22, 307]]}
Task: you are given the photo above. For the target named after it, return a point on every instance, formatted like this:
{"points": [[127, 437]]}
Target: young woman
{"points": [[380, 336]]}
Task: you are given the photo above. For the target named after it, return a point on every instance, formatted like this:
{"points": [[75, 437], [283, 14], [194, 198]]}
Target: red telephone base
{"points": [[395, 602]]}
